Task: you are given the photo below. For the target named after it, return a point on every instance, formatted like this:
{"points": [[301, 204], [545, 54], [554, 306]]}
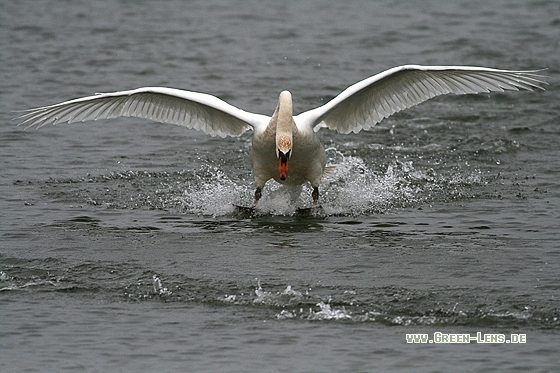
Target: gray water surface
{"points": [[120, 249]]}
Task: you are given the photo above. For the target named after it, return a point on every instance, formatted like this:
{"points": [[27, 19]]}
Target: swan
{"points": [[285, 147]]}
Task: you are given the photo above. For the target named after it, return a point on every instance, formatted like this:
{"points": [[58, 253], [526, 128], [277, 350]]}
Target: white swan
{"points": [[284, 139]]}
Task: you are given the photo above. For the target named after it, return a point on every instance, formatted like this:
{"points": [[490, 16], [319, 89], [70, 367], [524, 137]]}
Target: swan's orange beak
{"points": [[283, 164]]}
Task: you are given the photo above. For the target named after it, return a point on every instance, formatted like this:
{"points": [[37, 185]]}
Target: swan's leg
{"points": [[315, 195], [258, 195]]}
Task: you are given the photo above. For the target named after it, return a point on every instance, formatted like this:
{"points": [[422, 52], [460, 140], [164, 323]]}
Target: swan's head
{"points": [[284, 128]]}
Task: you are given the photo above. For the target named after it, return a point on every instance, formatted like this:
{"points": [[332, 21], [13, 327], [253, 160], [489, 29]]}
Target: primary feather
{"points": [[369, 101], [194, 110]]}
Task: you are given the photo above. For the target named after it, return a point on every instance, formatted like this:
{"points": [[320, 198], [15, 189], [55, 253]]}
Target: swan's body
{"points": [[286, 147]]}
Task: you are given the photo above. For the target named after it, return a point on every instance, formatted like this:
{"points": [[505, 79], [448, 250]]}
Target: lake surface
{"points": [[120, 250]]}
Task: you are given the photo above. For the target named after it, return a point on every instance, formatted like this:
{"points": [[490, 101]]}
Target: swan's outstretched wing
{"points": [[199, 111], [366, 103]]}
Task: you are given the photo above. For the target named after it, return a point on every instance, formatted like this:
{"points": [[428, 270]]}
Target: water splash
{"points": [[211, 191], [286, 297], [352, 189], [4, 276], [158, 287], [326, 312]]}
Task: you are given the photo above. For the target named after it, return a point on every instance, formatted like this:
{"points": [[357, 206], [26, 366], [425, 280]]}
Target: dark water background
{"points": [[119, 248]]}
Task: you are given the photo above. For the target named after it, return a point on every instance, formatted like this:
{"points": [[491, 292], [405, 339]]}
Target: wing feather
{"points": [[190, 109], [366, 103]]}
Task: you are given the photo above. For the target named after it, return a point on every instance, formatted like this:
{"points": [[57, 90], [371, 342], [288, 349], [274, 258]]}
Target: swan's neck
{"points": [[285, 124]]}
